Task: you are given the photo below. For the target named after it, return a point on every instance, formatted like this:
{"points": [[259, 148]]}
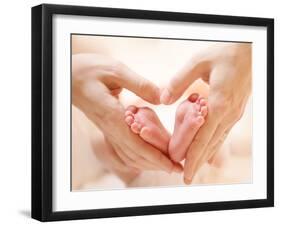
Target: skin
{"points": [[190, 116], [96, 82], [145, 122], [227, 70]]}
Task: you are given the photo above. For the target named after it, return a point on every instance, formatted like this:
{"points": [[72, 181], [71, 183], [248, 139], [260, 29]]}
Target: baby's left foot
{"points": [[144, 122]]}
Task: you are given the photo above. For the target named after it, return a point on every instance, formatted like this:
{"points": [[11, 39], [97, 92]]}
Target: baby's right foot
{"points": [[190, 116]]}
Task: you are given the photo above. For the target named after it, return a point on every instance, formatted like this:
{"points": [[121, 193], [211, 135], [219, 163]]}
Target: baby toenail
{"points": [[204, 111], [193, 97], [132, 109], [128, 113], [203, 102], [129, 120]]}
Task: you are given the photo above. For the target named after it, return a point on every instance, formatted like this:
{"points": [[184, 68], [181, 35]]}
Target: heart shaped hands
{"points": [[97, 81]]}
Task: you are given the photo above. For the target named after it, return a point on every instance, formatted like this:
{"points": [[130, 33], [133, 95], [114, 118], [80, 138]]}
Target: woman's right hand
{"points": [[96, 81]]}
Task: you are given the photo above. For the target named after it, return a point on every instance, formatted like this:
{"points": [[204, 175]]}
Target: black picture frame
{"points": [[42, 107]]}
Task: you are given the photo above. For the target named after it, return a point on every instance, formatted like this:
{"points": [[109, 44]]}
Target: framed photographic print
{"points": [[140, 112]]}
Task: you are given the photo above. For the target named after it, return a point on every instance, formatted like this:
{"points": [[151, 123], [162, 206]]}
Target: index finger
{"points": [[183, 79], [137, 84]]}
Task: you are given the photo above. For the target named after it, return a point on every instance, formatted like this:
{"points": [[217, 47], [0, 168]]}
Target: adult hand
{"points": [[96, 82], [228, 72]]}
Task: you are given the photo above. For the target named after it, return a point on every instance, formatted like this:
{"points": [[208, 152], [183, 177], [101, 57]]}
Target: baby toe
{"points": [[197, 107], [145, 133], [193, 97], [132, 109], [204, 111], [129, 113], [136, 127], [203, 101], [129, 120]]}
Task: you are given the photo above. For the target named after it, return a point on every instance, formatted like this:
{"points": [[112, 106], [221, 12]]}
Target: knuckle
{"points": [[220, 104], [143, 85], [236, 115], [221, 140], [123, 168], [113, 70], [131, 163], [117, 67], [137, 159]]}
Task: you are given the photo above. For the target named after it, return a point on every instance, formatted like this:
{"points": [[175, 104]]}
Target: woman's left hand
{"points": [[228, 72]]}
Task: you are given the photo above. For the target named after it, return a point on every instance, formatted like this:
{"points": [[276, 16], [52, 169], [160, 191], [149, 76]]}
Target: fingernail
{"points": [[187, 181], [189, 175], [165, 97]]}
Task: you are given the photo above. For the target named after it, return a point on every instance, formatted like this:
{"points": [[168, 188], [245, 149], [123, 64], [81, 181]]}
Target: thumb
{"points": [[182, 80], [142, 87]]}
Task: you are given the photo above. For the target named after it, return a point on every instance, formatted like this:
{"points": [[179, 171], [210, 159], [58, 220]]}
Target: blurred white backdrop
{"points": [[15, 123]]}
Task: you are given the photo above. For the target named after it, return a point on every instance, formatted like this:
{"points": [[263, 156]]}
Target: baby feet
{"points": [[190, 116], [145, 122]]}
